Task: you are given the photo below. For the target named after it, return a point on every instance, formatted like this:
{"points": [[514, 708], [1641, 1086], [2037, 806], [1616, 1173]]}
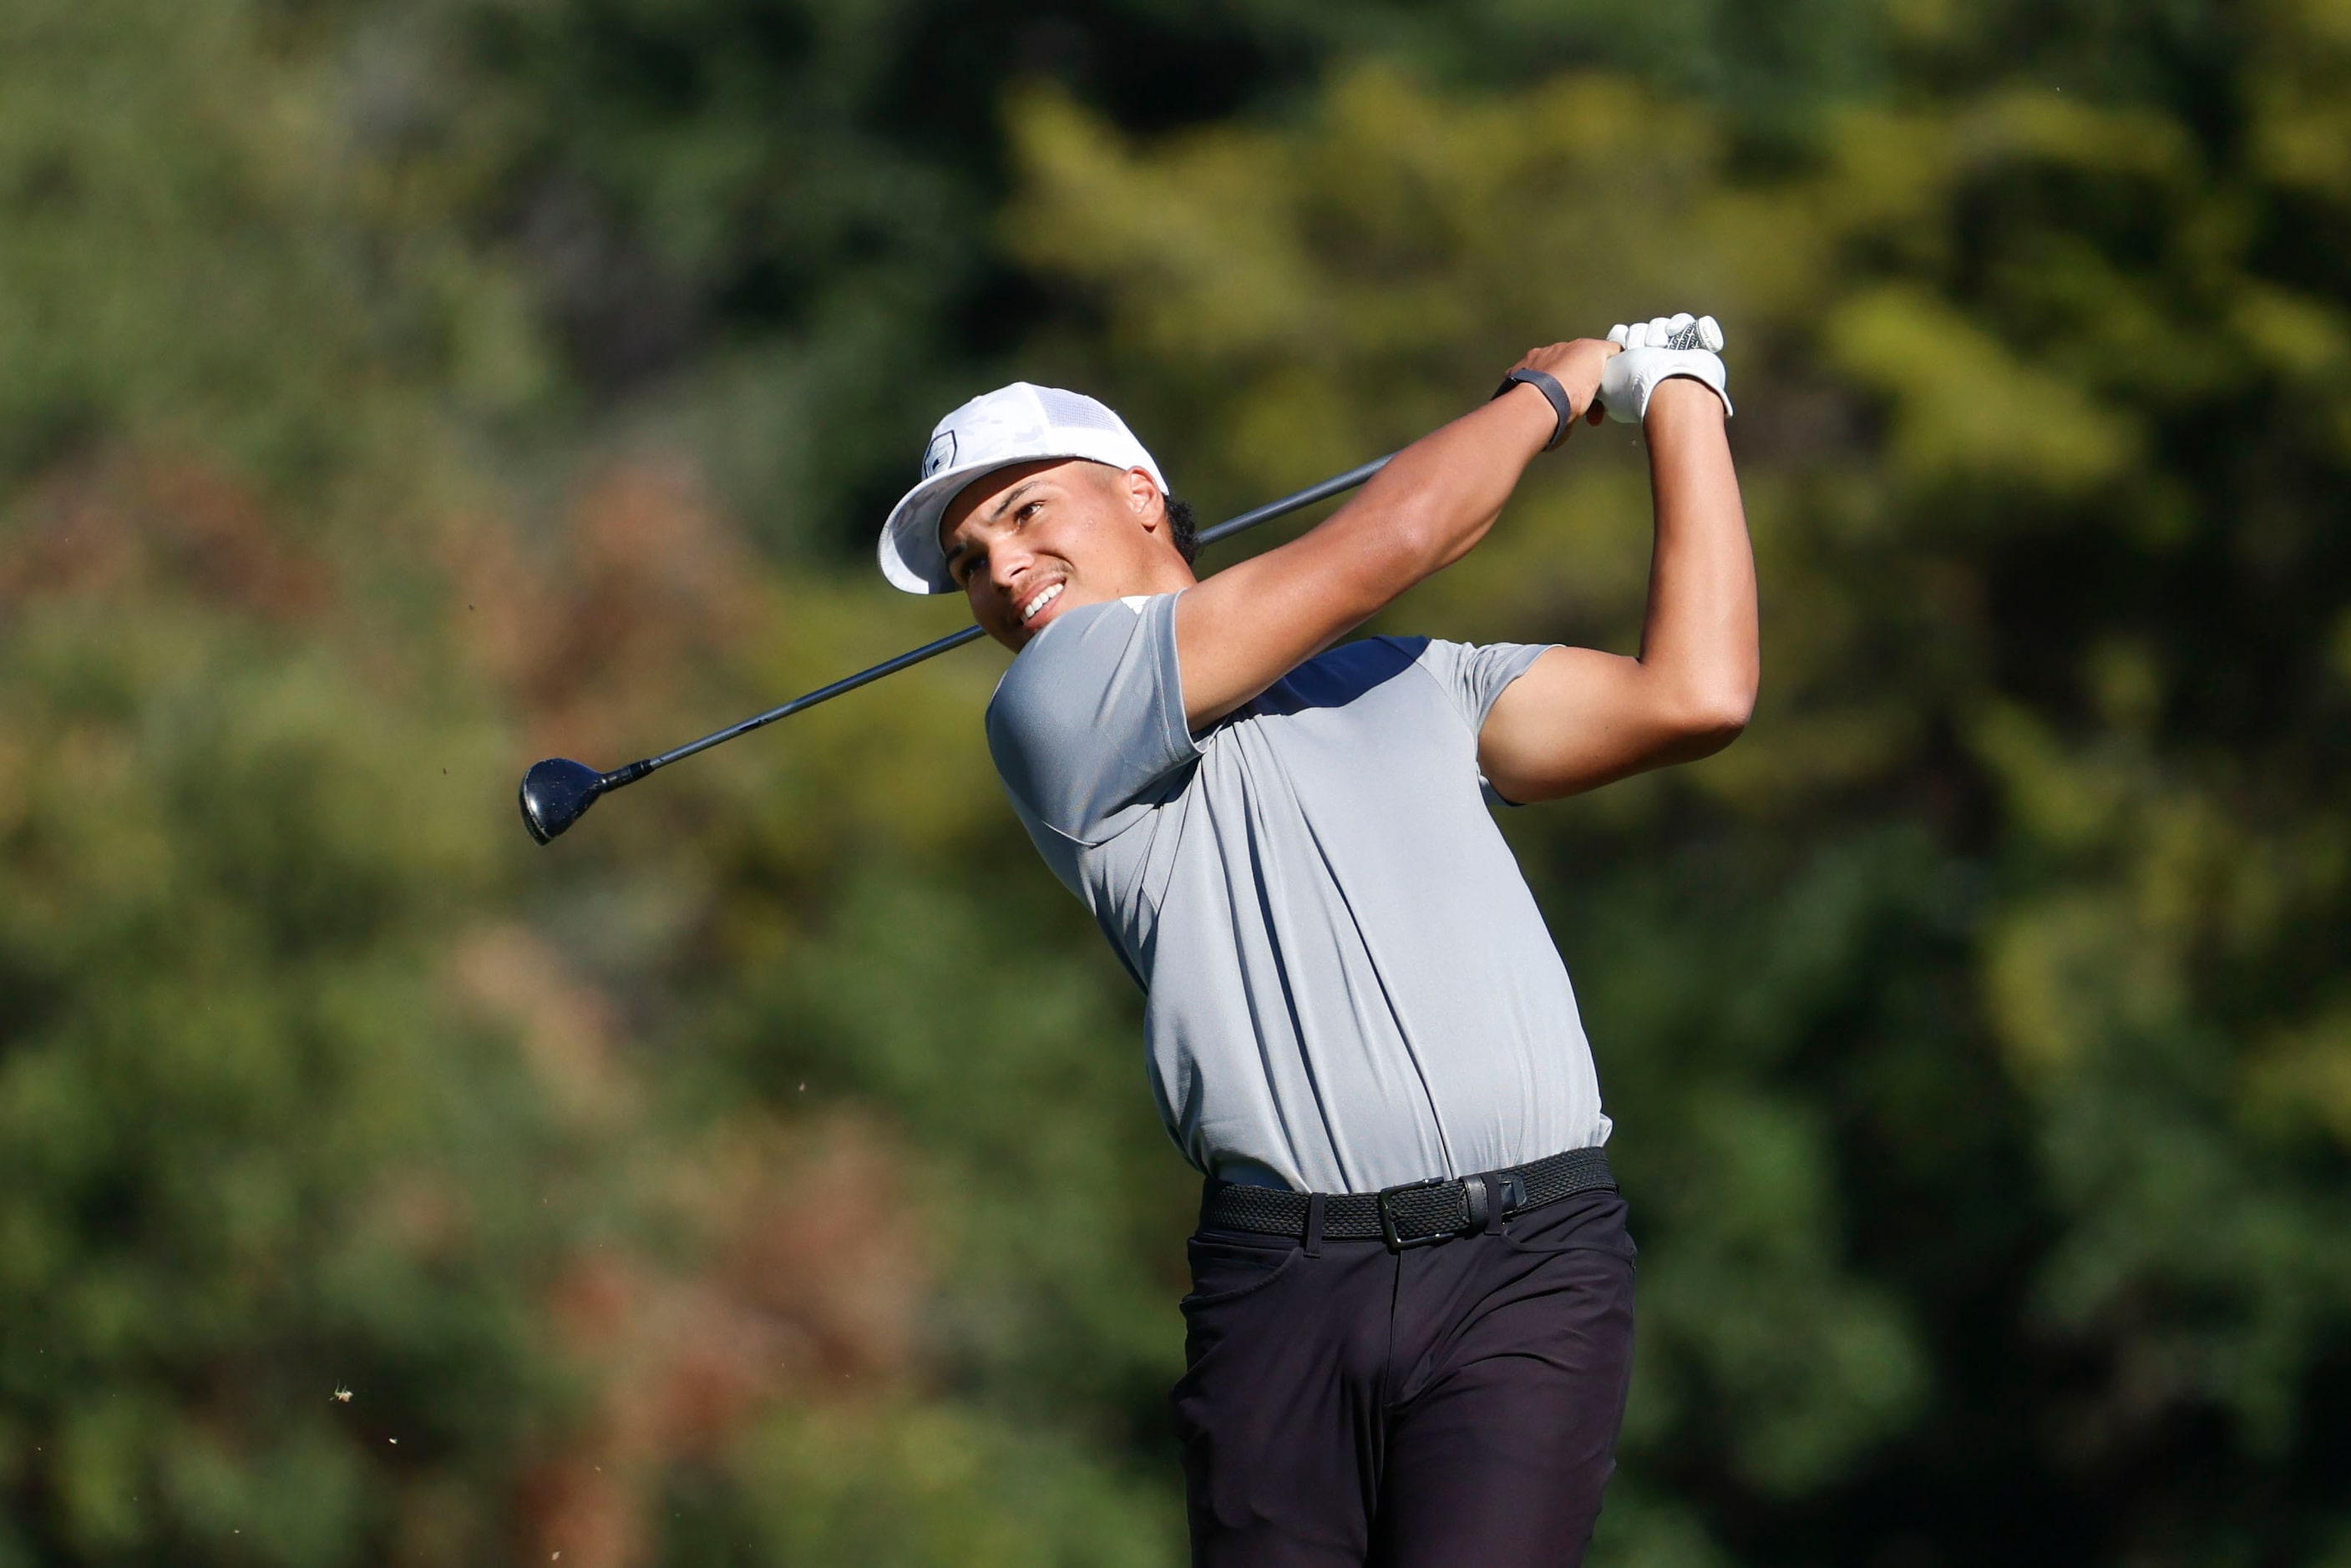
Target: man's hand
{"points": [[1657, 351], [1577, 367]]}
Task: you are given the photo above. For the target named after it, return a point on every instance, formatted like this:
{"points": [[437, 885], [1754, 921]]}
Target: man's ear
{"points": [[1142, 498]]}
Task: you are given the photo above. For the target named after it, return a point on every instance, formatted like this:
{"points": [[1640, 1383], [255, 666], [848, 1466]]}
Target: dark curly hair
{"points": [[1182, 527]]}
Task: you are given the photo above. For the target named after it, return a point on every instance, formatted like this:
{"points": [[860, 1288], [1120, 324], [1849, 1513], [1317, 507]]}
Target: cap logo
{"points": [[940, 453]]}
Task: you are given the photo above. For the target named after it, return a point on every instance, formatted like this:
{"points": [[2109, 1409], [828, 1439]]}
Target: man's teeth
{"points": [[1029, 611]]}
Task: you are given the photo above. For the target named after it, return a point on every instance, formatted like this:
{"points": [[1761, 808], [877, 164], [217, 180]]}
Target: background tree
{"points": [[764, 1175]]}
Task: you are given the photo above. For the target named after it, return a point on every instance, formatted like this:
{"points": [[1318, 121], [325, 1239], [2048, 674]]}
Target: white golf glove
{"points": [[1655, 351]]}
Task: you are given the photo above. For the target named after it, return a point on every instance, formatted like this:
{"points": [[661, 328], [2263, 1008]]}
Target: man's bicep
{"points": [[1576, 719]]}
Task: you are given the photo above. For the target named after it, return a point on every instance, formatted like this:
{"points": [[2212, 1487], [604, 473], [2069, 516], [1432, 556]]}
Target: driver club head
{"points": [[556, 794]]}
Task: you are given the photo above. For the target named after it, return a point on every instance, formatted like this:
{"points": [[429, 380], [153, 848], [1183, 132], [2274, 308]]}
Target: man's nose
{"points": [[1007, 566]]}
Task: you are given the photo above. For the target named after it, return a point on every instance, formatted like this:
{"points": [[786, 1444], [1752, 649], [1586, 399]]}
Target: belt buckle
{"points": [[1398, 1243]]}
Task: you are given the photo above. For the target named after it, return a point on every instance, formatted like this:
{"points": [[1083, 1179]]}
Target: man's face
{"points": [[1030, 541]]}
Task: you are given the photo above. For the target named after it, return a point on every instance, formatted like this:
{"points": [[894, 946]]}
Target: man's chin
{"points": [[1016, 636]]}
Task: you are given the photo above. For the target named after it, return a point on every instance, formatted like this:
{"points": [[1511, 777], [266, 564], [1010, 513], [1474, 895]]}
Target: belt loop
{"points": [[1474, 1188], [1497, 1203], [1314, 1202]]}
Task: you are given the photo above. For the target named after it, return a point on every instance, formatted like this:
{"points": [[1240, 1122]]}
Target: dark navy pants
{"points": [[1444, 1406]]}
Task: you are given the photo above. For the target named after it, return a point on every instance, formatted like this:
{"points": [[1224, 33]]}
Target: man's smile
{"points": [[1038, 601]]}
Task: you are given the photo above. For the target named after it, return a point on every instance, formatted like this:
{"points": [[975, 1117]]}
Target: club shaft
{"points": [[821, 694], [1337, 484]]}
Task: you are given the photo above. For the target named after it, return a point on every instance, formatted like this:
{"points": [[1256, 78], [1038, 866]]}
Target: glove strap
{"points": [[1541, 383]]}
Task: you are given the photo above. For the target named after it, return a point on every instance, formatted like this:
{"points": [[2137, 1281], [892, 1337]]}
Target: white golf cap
{"points": [[1018, 424]]}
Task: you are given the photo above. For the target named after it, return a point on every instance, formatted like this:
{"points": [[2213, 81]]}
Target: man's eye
{"points": [[1030, 510]]}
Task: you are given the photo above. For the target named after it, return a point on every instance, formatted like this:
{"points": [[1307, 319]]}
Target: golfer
{"points": [[1410, 1327]]}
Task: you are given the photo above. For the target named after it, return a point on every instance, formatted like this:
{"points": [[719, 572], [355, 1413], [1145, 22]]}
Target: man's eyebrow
{"points": [[1017, 491]]}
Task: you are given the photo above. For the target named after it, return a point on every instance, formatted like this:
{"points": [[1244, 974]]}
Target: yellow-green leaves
{"points": [[1967, 409], [1316, 278]]}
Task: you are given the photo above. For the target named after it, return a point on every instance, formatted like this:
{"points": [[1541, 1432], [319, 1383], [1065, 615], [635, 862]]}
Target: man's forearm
{"points": [[1699, 640], [1438, 497], [1240, 630]]}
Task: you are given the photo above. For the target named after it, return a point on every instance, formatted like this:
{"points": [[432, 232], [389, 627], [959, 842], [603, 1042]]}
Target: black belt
{"points": [[1412, 1215]]}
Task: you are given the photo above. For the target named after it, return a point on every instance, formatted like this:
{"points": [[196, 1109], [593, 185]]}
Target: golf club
{"points": [[558, 792]]}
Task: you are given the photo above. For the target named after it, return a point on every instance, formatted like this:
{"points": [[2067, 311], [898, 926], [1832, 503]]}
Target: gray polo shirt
{"points": [[1348, 984]]}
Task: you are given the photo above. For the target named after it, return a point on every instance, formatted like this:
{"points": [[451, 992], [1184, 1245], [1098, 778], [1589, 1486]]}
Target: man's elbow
{"points": [[1709, 721]]}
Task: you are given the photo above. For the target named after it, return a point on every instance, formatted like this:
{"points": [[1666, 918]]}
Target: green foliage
{"points": [[764, 1174], [187, 256], [900, 1488], [241, 1147]]}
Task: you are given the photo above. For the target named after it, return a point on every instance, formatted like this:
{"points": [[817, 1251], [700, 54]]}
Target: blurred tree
{"points": [[766, 1175], [313, 1075], [764, 226], [760, 227], [244, 1151]]}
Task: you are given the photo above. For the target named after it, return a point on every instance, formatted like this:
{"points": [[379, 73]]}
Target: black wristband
{"points": [[1541, 383]]}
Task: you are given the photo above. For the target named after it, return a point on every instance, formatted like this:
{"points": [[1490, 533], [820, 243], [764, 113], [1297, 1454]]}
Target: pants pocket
{"points": [[1592, 1222], [1224, 1271]]}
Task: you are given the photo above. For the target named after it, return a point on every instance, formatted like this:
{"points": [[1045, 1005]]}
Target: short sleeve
{"points": [[1475, 674], [1088, 725]]}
